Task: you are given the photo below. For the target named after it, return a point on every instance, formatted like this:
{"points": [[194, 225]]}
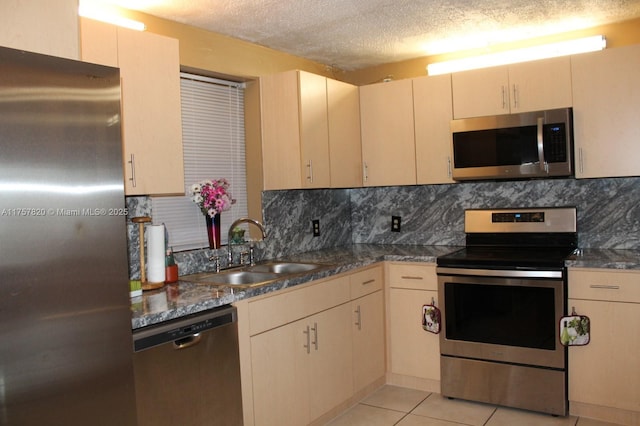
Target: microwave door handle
{"points": [[543, 163]]}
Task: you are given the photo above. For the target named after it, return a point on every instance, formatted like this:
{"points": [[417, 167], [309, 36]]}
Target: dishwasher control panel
{"points": [[180, 328]]}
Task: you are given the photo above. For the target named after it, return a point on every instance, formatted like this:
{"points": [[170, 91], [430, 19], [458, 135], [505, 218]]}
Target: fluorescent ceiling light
{"points": [[109, 15], [563, 48]]}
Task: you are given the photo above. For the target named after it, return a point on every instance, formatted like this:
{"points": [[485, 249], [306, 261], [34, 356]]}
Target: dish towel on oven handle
{"points": [[431, 318], [575, 329]]}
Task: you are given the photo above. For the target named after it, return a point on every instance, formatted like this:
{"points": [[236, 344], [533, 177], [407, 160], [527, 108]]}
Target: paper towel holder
{"points": [[141, 220]]}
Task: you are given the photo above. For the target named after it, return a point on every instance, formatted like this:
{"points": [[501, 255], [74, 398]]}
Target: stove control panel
{"points": [[521, 220], [531, 217]]}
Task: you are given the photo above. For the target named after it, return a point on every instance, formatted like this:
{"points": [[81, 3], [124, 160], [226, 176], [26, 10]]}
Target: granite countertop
{"points": [[605, 258], [185, 298]]}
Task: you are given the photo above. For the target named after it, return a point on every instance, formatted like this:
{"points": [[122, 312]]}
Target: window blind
{"points": [[213, 145]]}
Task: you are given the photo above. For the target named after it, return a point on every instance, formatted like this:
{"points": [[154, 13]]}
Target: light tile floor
{"points": [[392, 405]]}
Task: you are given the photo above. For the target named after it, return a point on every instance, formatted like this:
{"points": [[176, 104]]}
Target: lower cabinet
{"points": [[604, 374], [302, 369], [367, 308], [414, 354], [313, 348]]}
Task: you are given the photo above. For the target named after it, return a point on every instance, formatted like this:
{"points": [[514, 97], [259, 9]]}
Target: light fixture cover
{"points": [[552, 50], [109, 15]]}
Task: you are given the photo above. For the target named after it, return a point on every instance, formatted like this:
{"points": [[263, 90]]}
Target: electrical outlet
{"points": [[396, 222], [316, 227]]}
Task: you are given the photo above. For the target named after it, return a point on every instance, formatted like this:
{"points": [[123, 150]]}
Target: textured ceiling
{"points": [[354, 34]]}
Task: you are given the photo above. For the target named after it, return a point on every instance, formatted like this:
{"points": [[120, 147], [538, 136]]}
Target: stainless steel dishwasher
{"points": [[187, 371]]}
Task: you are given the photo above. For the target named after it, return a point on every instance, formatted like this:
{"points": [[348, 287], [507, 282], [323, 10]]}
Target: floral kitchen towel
{"points": [[574, 330], [431, 318]]}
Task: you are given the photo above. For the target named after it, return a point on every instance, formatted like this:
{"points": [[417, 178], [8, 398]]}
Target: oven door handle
{"points": [[509, 273]]}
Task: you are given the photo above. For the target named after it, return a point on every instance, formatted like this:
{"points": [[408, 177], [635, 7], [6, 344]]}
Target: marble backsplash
{"points": [[608, 215]]}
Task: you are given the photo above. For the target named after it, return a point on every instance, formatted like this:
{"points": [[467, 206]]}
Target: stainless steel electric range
{"points": [[502, 297]]}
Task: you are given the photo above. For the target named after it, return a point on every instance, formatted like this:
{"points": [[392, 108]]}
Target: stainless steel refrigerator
{"points": [[65, 322]]}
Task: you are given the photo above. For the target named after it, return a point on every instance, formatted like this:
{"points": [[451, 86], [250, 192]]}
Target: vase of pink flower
{"points": [[212, 197]]}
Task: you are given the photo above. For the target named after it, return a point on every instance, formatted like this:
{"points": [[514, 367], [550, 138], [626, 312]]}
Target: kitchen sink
{"points": [[285, 267], [235, 278], [253, 276]]}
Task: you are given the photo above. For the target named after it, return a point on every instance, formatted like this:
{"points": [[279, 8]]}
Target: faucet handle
{"points": [[252, 255], [243, 256], [216, 262]]}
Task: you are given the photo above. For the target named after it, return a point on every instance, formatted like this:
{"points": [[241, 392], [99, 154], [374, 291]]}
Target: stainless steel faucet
{"points": [[229, 245]]}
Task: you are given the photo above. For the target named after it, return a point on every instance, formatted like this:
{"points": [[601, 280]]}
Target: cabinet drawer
{"points": [[414, 276], [289, 306], [601, 284], [365, 282]]}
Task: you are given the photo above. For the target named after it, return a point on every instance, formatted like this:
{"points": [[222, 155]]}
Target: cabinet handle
{"points": [[315, 335], [408, 277], [449, 174], [605, 286], [504, 98], [133, 170], [310, 168], [515, 96], [365, 171], [308, 345], [358, 318], [371, 281], [581, 161]]}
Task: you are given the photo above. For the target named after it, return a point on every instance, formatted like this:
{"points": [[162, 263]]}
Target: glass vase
{"points": [[213, 230]]}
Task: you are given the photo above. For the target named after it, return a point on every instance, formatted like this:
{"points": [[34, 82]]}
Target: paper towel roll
{"points": [[155, 253]]}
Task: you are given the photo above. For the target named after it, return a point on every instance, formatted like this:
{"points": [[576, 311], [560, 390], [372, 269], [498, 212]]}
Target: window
{"points": [[213, 143]]}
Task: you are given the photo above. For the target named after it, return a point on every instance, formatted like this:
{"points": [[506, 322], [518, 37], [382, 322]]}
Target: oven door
{"points": [[508, 316]]}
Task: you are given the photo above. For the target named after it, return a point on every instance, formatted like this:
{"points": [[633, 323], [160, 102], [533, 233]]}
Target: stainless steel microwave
{"points": [[516, 146]]}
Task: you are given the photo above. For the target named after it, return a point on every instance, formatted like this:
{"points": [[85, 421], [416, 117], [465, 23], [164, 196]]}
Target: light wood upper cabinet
{"points": [[604, 374], [151, 116], [530, 86], [432, 106], [388, 144], [606, 101], [47, 27], [345, 149], [314, 131], [540, 85], [310, 134]]}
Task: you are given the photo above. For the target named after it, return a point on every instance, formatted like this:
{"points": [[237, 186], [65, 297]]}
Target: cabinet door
{"points": [[388, 144], [539, 85], [47, 27], [330, 362], [314, 131], [279, 362], [152, 125], [345, 149], [606, 101], [368, 339], [414, 351], [280, 120], [480, 92], [295, 132], [432, 107], [99, 42], [605, 372]]}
